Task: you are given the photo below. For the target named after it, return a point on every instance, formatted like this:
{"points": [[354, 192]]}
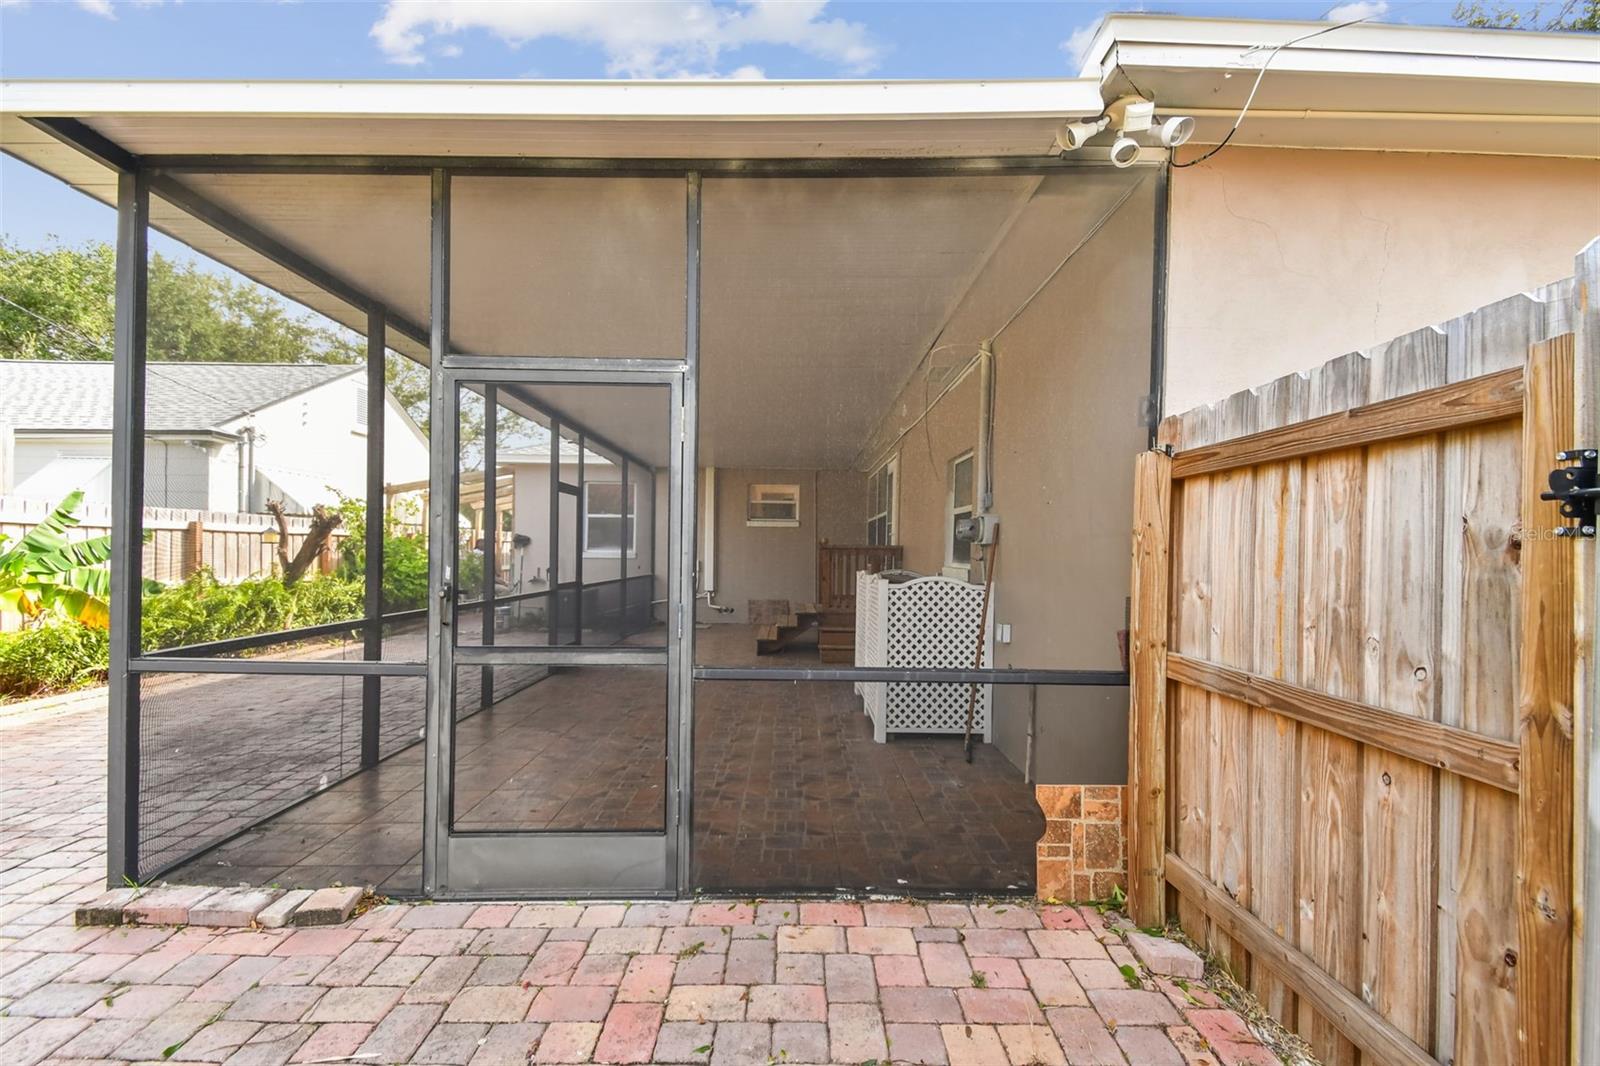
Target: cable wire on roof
{"points": [[1262, 74]]}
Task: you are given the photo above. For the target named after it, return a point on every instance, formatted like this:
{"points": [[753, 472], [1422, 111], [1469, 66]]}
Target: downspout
{"points": [[250, 471], [983, 452], [243, 503], [708, 538]]}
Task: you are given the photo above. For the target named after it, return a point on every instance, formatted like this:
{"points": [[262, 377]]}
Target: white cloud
{"points": [[98, 7], [1358, 9], [1077, 44], [744, 73], [641, 39]]}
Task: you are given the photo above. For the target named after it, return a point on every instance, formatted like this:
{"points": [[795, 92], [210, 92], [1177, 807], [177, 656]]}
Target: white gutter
{"points": [[676, 101]]}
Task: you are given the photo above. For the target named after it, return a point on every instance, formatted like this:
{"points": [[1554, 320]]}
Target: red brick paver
{"points": [[943, 983]]}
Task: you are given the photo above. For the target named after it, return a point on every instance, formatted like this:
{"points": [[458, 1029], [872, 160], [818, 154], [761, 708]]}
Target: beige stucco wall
{"points": [[926, 452], [780, 562], [1282, 259], [1069, 376]]}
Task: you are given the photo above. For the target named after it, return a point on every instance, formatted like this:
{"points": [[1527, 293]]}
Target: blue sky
{"points": [[556, 39]]}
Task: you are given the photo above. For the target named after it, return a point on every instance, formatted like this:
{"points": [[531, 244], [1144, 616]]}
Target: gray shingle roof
{"points": [[179, 397]]}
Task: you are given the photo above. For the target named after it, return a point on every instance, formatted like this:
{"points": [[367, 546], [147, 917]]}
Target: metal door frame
{"points": [[564, 864]]}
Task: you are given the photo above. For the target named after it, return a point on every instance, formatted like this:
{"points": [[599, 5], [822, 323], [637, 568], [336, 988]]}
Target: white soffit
{"points": [[618, 119], [1369, 86]]}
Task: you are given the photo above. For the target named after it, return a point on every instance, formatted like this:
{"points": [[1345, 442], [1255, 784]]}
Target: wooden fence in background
{"points": [[180, 542], [1354, 675]]}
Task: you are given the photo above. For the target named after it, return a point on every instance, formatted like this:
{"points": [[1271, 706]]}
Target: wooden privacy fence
{"points": [[1353, 682], [180, 541]]}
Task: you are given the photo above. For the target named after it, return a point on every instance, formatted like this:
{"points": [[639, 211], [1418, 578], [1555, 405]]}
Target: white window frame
{"points": [[631, 528], [780, 523], [952, 512], [891, 469]]}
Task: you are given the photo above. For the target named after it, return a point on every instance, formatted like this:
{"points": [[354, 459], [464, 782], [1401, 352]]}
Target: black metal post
{"points": [[583, 532], [491, 530], [372, 547], [553, 579], [442, 579], [127, 528], [622, 557]]}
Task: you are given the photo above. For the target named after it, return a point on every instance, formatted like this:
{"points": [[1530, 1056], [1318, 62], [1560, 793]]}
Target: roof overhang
{"points": [[595, 119], [1369, 86]]}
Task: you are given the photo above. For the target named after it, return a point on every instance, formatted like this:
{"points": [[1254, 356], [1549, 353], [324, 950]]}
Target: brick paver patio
{"points": [[718, 982]]}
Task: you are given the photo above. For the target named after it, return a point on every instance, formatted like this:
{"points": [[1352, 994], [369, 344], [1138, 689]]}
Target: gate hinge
{"points": [[1577, 489]]}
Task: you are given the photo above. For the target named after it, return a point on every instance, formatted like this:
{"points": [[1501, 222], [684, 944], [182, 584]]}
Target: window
{"points": [[773, 505], [959, 552], [881, 503], [361, 407], [603, 532]]}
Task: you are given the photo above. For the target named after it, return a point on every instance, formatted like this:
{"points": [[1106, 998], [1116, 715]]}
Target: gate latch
{"points": [[1577, 489]]}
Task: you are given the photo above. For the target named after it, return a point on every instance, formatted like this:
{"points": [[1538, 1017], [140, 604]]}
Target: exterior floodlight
{"points": [[1124, 151], [1175, 130], [1070, 136], [1131, 114]]}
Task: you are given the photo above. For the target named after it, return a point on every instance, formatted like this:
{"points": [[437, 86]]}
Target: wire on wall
{"points": [[1262, 73], [988, 343]]}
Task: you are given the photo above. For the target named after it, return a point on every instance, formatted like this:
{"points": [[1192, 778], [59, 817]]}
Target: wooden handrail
{"points": [[837, 565]]}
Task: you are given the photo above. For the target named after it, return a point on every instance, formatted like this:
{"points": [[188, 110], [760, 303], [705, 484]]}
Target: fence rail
{"points": [[1353, 686]]}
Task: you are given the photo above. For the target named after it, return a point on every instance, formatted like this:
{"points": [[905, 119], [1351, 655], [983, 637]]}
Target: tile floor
{"points": [[790, 790]]}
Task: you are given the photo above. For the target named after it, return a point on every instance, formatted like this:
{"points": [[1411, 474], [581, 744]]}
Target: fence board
{"points": [[1491, 398], [1400, 621], [1231, 643], [1191, 634], [1545, 711], [1328, 874], [1481, 581], [1147, 676], [1275, 738], [1367, 588], [1432, 744]]}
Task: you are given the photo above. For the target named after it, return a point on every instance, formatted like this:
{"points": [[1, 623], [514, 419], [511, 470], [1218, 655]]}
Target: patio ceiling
{"points": [[819, 295]]}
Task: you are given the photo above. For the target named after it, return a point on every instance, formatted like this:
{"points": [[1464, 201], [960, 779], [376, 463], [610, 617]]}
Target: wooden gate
{"points": [[1354, 650]]}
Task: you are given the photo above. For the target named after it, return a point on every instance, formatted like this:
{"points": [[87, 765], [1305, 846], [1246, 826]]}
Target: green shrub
{"points": [[51, 657], [203, 609], [405, 558]]}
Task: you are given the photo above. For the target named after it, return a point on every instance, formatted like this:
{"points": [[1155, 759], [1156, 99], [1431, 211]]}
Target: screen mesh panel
{"points": [[219, 753], [791, 792], [584, 749]]}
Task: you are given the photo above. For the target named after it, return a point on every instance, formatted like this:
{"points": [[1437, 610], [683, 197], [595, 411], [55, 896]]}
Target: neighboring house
{"points": [[218, 436]]}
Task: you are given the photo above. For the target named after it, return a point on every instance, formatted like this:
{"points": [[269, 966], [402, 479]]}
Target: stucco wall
{"points": [[926, 452], [1281, 259], [1070, 372], [530, 507], [780, 562]]}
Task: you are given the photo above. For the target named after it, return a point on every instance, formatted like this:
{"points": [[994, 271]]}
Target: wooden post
{"points": [[195, 557], [1545, 719], [1147, 719]]}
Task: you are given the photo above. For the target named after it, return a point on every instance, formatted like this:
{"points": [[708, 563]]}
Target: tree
{"points": [[324, 521], [1571, 16], [57, 303]]}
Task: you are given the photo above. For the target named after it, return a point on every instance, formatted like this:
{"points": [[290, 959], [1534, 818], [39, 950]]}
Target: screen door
{"points": [[555, 689]]}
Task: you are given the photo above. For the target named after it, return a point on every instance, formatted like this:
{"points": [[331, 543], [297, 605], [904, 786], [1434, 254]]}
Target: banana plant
{"points": [[45, 572]]}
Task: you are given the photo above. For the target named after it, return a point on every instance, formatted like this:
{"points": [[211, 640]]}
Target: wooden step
{"points": [[843, 656]]}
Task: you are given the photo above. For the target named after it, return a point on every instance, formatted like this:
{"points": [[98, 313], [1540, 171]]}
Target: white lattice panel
{"points": [[871, 591], [929, 623]]}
